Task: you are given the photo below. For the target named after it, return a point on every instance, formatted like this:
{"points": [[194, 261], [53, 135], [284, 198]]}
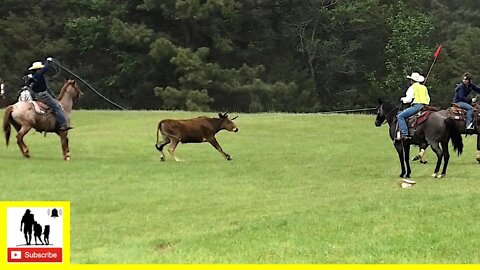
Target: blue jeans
{"points": [[402, 122], [469, 109], [55, 106]]}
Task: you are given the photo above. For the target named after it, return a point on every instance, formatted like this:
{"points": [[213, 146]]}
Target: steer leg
{"points": [[160, 146], [172, 147], [215, 144]]}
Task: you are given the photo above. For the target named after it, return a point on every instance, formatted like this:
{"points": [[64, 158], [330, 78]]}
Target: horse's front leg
{"points": [[478, 147], [64, 143], [406, 150], [398, 147]]}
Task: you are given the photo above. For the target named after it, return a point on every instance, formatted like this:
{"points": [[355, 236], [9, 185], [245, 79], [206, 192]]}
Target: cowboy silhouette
{"points": [[27, 225]]}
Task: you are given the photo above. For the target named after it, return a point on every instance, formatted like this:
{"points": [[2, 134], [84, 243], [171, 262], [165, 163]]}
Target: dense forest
{"points": [[244, 56]]}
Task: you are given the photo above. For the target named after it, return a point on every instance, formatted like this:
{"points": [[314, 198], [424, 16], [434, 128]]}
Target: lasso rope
{"points": [[82, 80]]}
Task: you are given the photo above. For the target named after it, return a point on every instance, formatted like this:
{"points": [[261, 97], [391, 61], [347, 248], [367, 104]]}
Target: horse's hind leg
{"points": [[160, 146], [438, 151], [446, 158], [21, 144]]}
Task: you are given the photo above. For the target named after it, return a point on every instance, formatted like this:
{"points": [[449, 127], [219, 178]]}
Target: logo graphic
{"points": [[35, 234], [16, 255]]}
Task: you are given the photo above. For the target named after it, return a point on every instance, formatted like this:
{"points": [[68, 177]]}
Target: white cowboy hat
{"points": [[36, 65], [416, 77]]}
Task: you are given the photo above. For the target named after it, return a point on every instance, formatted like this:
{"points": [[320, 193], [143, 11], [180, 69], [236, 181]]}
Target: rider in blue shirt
{"points": [[461, 98], [40, 90]]}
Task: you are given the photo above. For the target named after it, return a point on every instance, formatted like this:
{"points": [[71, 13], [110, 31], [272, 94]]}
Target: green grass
{"points": [[300, 189]]}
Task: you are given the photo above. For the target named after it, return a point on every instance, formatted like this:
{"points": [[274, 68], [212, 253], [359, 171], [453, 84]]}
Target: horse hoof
{"points": [[423, 162], [162, 159], [67, 159], [415, 158], [228, 157], [435, 175]]}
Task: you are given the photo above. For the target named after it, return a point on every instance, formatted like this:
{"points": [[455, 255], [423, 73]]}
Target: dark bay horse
{"points": [[24, 116], [460, 122], [436, 131]]}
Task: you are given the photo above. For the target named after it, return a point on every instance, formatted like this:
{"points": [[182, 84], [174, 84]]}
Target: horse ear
{"points": [[220, 115], [234, 118], [380, 101]]}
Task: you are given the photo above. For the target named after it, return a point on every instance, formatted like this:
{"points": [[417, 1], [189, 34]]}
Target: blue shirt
{"points": [[38, 79], [462, 91]]}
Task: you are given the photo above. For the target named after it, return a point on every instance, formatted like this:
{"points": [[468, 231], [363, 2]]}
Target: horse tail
{"points": [[7, 117], [455, 135]]}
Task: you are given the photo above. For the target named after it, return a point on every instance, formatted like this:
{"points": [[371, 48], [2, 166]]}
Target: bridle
{"points": [[387, 116]]}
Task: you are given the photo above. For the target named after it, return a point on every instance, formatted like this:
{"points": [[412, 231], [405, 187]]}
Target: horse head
{"points": [[71, 88], [386, 113], [381, 117]]}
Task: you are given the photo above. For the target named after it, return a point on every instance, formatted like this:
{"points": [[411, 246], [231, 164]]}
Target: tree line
{"points": [[245, 56]]}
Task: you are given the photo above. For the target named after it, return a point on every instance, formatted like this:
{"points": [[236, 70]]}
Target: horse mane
{"points": [[63, 90]]}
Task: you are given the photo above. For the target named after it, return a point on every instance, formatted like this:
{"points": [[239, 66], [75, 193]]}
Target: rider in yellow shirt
{"points": [[417, 95]]}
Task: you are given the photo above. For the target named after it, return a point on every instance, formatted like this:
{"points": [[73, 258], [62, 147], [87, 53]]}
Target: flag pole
{"points": [[435, 56]]}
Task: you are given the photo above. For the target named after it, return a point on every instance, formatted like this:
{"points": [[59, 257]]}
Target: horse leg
{"points": [[64, 143], [406, 150], [160, 146], [172, 147], [21, 144], [446, 158], [478, 148], [399, 149], [439, 153], [215, 144]]}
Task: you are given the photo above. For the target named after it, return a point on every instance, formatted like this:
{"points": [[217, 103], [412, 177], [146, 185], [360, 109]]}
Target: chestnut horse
{"points": [[23, 116]]}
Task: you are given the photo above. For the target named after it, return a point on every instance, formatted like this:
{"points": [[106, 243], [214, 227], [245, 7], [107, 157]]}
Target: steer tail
{"points": [[158, 129], [7, 117], [455, 136]]}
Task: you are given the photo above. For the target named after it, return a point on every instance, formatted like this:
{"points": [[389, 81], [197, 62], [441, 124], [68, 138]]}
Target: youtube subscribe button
{"points": [[25, 255]]}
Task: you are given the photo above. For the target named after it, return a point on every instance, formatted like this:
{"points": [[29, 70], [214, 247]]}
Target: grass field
{"points": [[300, 189]]}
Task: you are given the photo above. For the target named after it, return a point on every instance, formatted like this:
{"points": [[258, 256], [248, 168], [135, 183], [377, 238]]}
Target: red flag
{"points": [[437, 52]]}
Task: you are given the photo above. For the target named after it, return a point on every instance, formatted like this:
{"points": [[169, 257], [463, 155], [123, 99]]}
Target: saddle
{"points": [[40, 107], [459, 114], [414, 121]]}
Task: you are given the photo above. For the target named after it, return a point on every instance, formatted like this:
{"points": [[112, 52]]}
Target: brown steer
{"points": [[197, 130]]}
